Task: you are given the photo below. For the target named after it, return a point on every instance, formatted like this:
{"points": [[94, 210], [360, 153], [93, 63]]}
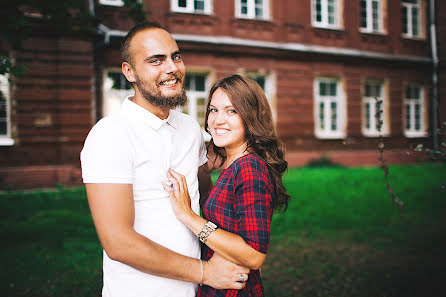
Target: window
{"points": [[252, 9], [112, 2], [414, 111], [410, 11], [329, 109], [116, 89], [374, 109], [370, 15], [267, 82], [5, 126], [326, 13], [192, 6], [197, 89]]}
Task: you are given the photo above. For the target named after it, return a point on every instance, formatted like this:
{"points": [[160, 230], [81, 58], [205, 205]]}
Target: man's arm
{"points": [[112, 209], [204, 182]]}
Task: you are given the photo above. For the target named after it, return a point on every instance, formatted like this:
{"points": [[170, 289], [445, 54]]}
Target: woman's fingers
{"points": [[175, 183]]}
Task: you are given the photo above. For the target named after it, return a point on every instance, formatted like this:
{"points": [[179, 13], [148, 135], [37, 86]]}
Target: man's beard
{"points": [[157, 99]]}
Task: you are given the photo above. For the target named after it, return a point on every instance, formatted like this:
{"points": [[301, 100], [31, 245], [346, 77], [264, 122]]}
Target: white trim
{"points": [[251, 6], [112, 2], [190, 7], [341, 114], [298, 47], [293, 47], [324, 23], [6, 139]]}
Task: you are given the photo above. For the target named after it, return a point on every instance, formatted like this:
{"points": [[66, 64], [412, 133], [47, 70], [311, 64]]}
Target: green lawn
{"points": [[341, 236]]}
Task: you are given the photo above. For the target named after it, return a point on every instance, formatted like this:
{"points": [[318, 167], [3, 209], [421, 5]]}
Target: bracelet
{"points": [[201, 270], [207, 229]]}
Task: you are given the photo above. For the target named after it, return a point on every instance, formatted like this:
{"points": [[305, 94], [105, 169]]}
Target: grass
{"points": [[341, 236]]}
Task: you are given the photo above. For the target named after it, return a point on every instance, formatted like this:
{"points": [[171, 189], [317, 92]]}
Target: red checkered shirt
{"points": [[241, 202]]}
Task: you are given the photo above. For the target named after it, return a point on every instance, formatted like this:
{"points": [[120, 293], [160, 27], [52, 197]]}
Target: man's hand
{"points": [[220, 273]]}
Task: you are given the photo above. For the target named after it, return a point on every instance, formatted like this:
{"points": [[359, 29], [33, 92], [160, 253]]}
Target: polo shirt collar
{"points": [[134, 110]]}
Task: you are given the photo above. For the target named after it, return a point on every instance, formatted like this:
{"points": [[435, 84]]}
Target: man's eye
{"points": [[176, 57], [155, 61]]}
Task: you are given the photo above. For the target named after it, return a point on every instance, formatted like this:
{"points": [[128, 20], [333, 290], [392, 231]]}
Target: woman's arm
{"points": [[229, 245]]}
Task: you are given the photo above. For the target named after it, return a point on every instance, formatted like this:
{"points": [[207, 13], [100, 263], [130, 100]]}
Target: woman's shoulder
{"points": [[249, 163]]}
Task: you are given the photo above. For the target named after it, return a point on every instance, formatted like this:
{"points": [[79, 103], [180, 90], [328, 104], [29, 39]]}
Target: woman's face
{"points": [[225, 124]]}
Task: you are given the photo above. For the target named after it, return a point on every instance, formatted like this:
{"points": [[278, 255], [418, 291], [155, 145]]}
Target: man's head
{"points": [[152, 62]]}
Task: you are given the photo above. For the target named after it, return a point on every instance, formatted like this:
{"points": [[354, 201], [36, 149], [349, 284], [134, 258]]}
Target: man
{"points": [[147, 251]]}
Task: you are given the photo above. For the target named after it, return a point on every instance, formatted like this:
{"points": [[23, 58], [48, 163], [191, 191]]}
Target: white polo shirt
{"points": [[133, 146]]}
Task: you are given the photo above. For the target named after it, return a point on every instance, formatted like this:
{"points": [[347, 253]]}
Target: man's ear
{"points": [[127, 70]]}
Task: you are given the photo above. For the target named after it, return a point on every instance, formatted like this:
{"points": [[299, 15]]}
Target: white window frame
{"points": [[373, 131], [193, 95], [112, 98], [410, 29], [251, 14], [412, 132], [112, 2], [269, 88], [190, 7], [341, 115], [370, 19], [324, 23], [5, 139]]}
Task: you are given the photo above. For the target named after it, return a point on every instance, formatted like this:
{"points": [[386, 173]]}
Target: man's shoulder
{"points": [[184, 119], [110, 125]]}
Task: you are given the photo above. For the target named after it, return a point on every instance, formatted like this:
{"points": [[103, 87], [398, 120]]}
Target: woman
{"points": [[237, 213]]}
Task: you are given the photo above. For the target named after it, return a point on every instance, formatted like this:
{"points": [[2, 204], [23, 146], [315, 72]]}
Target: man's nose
{"points": [[171, 66]]}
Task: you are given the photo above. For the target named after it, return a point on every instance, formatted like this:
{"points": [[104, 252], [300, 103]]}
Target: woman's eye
{"points": [[232, 111], [212, 110]]}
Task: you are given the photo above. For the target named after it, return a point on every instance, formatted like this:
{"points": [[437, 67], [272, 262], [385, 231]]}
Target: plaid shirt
{"points": [[241, 202]]}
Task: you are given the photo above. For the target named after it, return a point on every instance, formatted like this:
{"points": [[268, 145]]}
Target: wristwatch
{"points": [[207, 229]]}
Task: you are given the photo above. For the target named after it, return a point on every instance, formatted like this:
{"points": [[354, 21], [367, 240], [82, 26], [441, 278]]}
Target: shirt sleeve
{"points": [[106, 155], [253, 205]]}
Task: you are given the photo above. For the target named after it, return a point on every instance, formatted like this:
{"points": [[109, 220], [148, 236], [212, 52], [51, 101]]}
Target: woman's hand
{"points": [[179, 196]]}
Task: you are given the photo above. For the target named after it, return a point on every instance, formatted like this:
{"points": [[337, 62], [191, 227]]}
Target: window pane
{"points": [[199, 5], [417, 117], [363, 13], [333, 116], [367, 115], [322, 89], [187, 82], [244, 6], [201, 110], [408, 116], [333, 89], [318, 11], [404, 19], [3, 114], [200, 82], [375, 15], [321, 115], [182, 3], [410, 1], [414, 21]]}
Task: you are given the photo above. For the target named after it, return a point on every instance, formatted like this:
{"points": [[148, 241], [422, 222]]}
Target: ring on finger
{"points": [[241, 278]]}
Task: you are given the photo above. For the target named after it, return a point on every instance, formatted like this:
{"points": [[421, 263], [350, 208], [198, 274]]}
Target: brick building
{"points": [[321, 63]]}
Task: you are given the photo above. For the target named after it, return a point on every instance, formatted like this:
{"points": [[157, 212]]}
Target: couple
{"points": [[145, 166]]}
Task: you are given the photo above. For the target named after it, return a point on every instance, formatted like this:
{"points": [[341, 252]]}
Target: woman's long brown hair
{"points": [[250, 102]]}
